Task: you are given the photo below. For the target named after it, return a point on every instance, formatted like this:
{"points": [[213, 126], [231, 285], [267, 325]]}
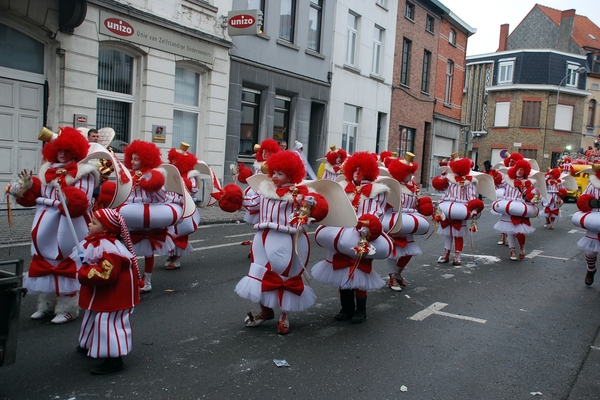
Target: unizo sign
{"points": [[244, 22]]}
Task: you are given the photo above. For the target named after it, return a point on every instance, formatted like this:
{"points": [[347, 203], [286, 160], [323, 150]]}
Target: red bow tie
{"points": [[94, 240], [336, 168], [461, 179], [61, 172], [358, 190], [293, 190]]}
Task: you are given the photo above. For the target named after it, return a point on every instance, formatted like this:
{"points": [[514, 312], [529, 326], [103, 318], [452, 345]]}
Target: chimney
{"points": [[503, 37], [565, 30]]}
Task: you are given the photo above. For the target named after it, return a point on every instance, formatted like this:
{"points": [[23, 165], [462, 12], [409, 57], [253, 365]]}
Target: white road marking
{"points": [[485, 259], [435, 309], [573, 231], [538, 253], [217, 246]]}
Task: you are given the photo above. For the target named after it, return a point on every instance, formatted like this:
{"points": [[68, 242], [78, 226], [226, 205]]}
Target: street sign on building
{"points": [[244, 22]]}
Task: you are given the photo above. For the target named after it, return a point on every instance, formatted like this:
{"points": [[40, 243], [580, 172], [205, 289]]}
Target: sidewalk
{"points": [[22, 219]]}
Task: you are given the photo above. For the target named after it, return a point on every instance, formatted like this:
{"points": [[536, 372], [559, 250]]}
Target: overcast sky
{"points": [[487, 16]]}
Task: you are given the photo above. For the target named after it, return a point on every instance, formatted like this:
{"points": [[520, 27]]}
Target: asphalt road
{"points": [[489, 329]]}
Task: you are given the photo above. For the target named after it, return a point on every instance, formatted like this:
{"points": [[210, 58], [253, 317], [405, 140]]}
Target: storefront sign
{"points": [[244, 22], [156, 37]]}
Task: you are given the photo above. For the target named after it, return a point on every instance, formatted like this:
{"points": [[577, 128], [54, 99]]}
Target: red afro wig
{"points": [[184, 162], [461, 166], [400, 169], [68, 139], [148, 153], [269, 145], [289, 163], [514, 157], [366, 162], [384, 156], [512, 172], [554, 173], [334, 154]]}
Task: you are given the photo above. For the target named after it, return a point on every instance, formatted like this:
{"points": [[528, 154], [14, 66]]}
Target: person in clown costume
{"points": [[413, 213], [351, 251], [516, 206], [334, 159], [588, 218], [555, 197], [458, 204], [52, 273], [179, 233], [280, 248], [109, 278], [150, 209]]}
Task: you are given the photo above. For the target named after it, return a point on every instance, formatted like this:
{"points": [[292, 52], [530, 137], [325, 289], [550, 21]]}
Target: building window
{"points": [[377, 46], [448, 92], [314, 25], [409, 11], [530, 117], [405, 71], [186, 110], [528, 153], [564, 118], [407, 140], [452, 37], [382, 3], [352, 36], [429, 24], [20, 51], [572, 75], [115, 95], [350, 131], [505, 72], [281, 128], [286, 20], [256, 5], [502, 112], [596, 64], [249, 123], [426, 68], [591, 114]]}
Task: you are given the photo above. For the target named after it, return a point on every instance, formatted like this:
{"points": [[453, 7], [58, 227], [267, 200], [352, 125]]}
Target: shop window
{"points": [[281, 126], [249, 123]]}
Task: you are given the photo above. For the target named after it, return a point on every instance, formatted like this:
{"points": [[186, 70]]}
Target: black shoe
{"points": [[359, 317], [343, 315], [589, 277], [109, 366], [81, 350]]}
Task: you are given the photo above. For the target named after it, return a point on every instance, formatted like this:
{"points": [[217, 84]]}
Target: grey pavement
{"points": [[20, 230]]}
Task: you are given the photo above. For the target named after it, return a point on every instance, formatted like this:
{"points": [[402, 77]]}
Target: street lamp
{"points": [[571, 72]]}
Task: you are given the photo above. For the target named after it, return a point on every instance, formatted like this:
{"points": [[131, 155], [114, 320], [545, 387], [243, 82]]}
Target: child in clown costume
{"points": [[351, 251], [280, 248], [555, 197], [588, 218], [414, 211], [52, 274], [179, 233], [458, 204], [516, 206], [150, 209], [109, 279], [335, 158]]}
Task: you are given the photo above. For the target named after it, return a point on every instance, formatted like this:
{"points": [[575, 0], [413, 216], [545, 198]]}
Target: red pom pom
{"points": [[475, 205], [107, 193], [244, 173], [440, 183], [230, 198], [77, 201], [425, 206], [28, 199], [319, 210], [152, 181], [562, 193], [583, 202], [372, 223]]}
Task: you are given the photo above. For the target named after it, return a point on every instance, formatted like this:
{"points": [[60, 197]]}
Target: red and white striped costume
{"points": [[515, 210], [555, 190], [458, 193], [109, 293], [340, 243], [275, 275], [331, 172], [590, 218]]}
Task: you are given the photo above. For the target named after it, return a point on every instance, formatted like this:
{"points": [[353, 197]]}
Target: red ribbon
{"points": [[454, 223], [155, 236], [336, 168], [40, 267], [520, 220], [461, 179], [282, 191], [61, 172], [358, 190], [551, 211], [341, 261], [94, 240], [272, 281]]}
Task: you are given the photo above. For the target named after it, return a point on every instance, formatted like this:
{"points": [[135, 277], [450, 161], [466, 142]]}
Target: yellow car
{"points": [[581, 179]]}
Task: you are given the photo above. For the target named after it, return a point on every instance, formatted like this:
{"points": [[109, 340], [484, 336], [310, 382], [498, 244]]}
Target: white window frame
{"points": [[382, 3], [350, 128], [452, 37], [506, 69], [352, 40], [502, 114], [449, 82], [572, 75], [563, 120], [190, 109], [377, 50]]}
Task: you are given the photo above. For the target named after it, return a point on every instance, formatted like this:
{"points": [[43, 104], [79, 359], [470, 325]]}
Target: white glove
{"points": [[310, 200]]}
